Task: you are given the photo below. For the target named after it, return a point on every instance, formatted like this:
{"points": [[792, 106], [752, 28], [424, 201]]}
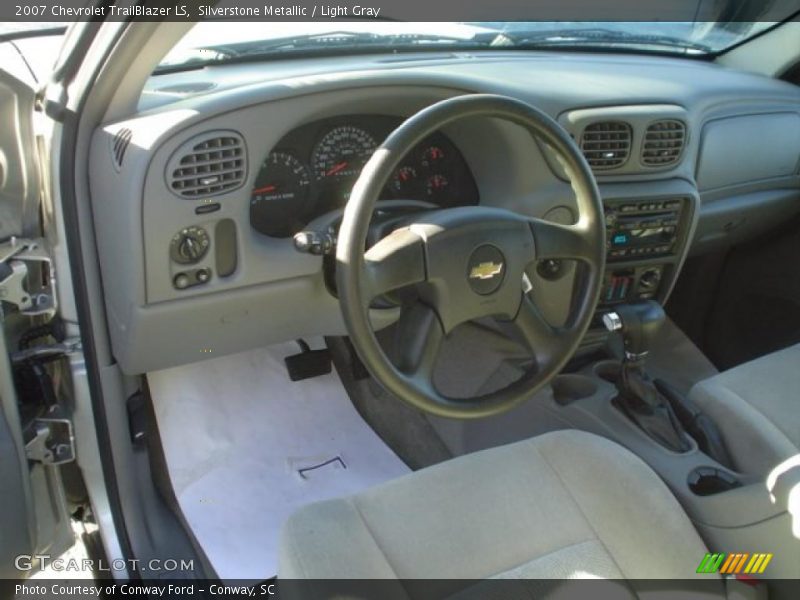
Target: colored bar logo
{"points": [[734, 563]]}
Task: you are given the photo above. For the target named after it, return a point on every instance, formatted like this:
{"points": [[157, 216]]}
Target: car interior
{"points": [[451, 314]]}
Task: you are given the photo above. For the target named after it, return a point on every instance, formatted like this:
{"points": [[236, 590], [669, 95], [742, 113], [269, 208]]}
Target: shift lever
{"points": [[639, 324], [638, 396]]}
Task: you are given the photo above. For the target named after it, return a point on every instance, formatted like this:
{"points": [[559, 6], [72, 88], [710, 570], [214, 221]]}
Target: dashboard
{"points": [[312, 169], [196, 196]]}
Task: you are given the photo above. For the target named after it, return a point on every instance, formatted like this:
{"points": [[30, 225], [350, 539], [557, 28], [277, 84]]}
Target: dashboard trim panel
{"points": [[154, 326]]}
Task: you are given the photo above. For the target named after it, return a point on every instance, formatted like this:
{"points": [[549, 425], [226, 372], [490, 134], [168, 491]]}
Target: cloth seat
{"points": [[566, 504], [757, 408]]}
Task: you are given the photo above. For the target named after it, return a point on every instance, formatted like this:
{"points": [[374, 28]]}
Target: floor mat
{"points": [[245, 447]]}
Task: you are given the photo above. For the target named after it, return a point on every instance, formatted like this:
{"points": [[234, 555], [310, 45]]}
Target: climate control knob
{"points": [[649, 280], [189, 245]]}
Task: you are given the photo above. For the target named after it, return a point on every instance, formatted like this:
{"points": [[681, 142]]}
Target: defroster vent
{"points": [[209, 164], [119, 145]]}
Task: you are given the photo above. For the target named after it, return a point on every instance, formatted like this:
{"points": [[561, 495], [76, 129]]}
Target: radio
{"points": [[642, 229]]}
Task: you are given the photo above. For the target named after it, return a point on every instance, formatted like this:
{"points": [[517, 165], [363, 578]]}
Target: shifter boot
{"points": [[641, 401]]}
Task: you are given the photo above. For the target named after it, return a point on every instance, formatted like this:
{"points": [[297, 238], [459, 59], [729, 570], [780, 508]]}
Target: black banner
{"points": [[706, 586]]}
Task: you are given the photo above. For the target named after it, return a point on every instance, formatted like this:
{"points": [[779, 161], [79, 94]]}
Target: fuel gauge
{"points": [[436, 185], [405, 182]]}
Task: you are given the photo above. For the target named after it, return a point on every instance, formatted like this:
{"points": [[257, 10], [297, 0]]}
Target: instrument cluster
{"points": [[312, 170]]}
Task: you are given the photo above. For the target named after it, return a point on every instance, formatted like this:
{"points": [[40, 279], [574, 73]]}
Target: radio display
{"points": [[620, 239], [635, 229], [642, 236]]}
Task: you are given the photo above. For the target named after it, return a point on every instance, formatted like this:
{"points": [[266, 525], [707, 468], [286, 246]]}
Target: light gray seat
{"points": [[757, 407], [566, 504]]}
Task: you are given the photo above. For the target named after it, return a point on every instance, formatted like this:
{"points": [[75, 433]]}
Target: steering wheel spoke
{"points": [[396, 261], [419, 339], [555, 241], [539, 336]]}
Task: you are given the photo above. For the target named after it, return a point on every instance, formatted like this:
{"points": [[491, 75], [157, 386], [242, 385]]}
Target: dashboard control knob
{"points": [[650, 279], [189, 248], [181, 281], [189, 245]]}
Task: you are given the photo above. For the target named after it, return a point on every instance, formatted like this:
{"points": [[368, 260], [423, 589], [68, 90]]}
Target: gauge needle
{"points": [[266, 188], [335, 169]]}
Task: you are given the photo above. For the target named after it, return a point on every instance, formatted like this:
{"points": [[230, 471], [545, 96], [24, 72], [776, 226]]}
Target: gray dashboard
{"points": [[738, 165]]}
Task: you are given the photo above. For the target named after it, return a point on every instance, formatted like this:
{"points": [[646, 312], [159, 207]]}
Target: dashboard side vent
{"points": [[663, 143], [119, 144], [207, 165], [606, 144]]}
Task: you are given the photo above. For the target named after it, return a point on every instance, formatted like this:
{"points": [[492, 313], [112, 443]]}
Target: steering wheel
{"points": [[466, 263]]}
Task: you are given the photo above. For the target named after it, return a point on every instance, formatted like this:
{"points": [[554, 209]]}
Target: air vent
{"points": [[607, 144], [663, 143], [208, 165], [119, 144]]}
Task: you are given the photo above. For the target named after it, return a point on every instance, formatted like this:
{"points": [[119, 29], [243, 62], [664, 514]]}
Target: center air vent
{"points": [[209, 164], [663, 143], [607, 144]]}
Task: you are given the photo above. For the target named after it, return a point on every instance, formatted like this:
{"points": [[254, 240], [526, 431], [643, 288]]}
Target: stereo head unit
{"points": [[642, 229]]}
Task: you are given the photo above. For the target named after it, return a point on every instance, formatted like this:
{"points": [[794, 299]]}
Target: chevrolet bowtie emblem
{"points": [[485, 270]]}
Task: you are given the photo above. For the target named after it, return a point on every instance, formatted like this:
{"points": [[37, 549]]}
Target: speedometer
{"points": [[342, 153]]}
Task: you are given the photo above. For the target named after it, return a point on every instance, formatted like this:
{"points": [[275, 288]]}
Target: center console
{"points": [[646, 242], [643, 240]]}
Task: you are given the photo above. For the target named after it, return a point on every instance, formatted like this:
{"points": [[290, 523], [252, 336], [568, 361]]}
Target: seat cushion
{"points": [[757, 407], [566, 504]]}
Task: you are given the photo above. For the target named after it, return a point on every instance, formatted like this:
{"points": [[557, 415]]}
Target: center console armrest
{"points": [[783, 483]]}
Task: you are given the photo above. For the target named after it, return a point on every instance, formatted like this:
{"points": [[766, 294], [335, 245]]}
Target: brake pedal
{"points": [[309, 363]]}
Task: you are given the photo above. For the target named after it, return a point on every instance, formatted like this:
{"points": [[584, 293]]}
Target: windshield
{"points": [[209, 42]]}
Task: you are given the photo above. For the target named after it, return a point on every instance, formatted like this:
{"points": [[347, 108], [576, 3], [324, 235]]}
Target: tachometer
{"points": [[279, 196], [342, 153]]}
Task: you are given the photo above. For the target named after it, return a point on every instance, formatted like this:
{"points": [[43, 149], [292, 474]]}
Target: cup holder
{"points": [[707, 481], [571, 387], [608, 370]]}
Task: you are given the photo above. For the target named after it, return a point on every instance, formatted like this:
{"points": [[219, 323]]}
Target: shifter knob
{"points": [[638, 323]]}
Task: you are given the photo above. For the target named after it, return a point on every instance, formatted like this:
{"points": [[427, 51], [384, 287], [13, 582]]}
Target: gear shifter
{"points": [[638, 396]]}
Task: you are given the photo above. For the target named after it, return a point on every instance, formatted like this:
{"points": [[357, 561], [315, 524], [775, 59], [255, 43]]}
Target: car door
{"points": [[35, 434]]}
